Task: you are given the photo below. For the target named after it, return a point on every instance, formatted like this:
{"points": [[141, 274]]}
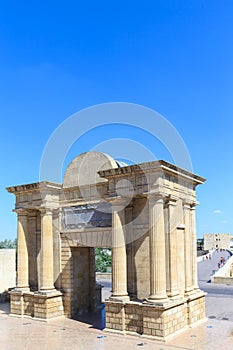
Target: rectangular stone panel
{"points": [[88, 215]]}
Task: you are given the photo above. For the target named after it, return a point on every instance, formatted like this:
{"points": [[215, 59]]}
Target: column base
{"points": [[165, 303], [21, 289], [190, 292], [48, 292], [195, 294], [158, 302], [116, 298], [157, 298]]}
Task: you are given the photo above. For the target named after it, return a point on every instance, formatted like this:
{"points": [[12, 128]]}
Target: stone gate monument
{"points": [[144, 212]]}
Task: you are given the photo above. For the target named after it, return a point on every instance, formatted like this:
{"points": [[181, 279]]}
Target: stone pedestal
{"points": [[160, 322], [196, 308], [36, 305], [46, 307], [16, 303]]}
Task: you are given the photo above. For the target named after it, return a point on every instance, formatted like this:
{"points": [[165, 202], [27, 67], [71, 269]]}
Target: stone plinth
{"points": [[36, 305], [155, 321], [196, 308]]}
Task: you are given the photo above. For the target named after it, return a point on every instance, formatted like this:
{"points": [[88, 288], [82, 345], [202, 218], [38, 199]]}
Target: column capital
{"points": [[118, 203], [46, 211], [171, 200], [188, 202], [193, 205], [21, 211], [186, 206], [155, 197]]}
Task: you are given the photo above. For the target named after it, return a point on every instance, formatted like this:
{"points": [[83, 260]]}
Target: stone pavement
{"points": [[67, 334]]}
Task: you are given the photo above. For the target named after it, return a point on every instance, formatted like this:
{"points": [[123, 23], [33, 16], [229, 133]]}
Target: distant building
{"points": [[217, 241]]}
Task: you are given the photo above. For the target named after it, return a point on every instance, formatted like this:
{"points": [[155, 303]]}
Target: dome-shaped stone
{"points": [[83, 170]]}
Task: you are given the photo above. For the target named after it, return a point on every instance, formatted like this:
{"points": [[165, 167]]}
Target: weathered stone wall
{"points": [[66, 275], [115, 316], [133, 318]]}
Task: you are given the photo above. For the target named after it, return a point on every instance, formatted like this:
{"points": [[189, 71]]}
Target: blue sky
{"points": [[58, 57]]}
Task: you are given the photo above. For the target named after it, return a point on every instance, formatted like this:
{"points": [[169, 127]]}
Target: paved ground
{"points": [[66, 334]]}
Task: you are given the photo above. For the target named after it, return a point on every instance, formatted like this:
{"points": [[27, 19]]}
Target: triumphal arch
{"points": [[144, 212]]}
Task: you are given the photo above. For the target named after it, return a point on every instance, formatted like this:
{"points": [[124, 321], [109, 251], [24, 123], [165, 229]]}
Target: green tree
{"points": [[103, 259], [8, 244]]}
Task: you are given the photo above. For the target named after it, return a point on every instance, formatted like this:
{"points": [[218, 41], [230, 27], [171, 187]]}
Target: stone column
{"points": [[46, 267], [187, 249], [172, 248], [57, 219], [194, 246], [131, 286], [119, 263], [32, 255], [157, 250], [22, 251]]}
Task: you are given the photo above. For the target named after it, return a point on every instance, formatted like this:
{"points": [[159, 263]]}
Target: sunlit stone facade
{"points": [[144, 212]]}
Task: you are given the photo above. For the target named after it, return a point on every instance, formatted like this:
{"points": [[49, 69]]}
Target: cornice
{"points": [[160, 165], [33, 187]]}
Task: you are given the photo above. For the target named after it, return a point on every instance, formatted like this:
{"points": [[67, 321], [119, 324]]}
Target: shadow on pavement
{"points": [[5, 308], [94, 319]]}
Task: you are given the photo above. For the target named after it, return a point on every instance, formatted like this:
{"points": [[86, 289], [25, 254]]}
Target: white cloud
{"points": [[217, 211]]}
